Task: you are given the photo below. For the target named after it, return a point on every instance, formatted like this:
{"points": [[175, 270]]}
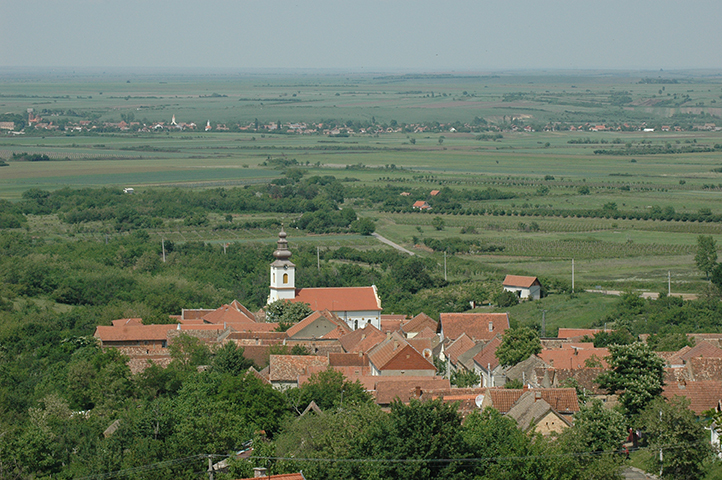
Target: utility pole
{"points": [[572, 275], [162, 244], [318, 258], [444, 265], [669, 283], [210, 468], [544, 324], [661, 458]]}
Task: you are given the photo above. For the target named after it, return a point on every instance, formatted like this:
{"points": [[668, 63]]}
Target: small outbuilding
{"points": [[524, 287]]}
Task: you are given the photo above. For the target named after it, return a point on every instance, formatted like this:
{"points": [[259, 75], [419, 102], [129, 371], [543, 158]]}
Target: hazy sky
{"points": [[469, 35]]}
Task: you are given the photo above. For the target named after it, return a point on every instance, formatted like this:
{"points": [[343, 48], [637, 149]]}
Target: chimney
{"points": [[259, 472], [417, 392], [537, 396]]}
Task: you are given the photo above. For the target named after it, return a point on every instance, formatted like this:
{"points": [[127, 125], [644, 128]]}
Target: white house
{"points": [[524, 287]]}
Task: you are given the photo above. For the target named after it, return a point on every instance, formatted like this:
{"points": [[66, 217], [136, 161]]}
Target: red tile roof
{"points": [[520, 281], [487, 357], [253, 327], [563, 400], [127, 321], [228, 314], [434, 193], [459, 346], [340, 299], [389, 325], [419, 323], [578, 332], [133, 333], [362, 340], [388, 390], [348, 360], [425, 333], [475, 325], [703, 395], [287, 368], [421, 344], [396, 354], [572, 356], [702, 350], [324, 322], [259, 354], [705, 368]]}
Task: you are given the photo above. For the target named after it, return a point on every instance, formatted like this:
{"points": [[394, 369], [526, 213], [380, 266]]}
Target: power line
{"points": [[468, 460]]}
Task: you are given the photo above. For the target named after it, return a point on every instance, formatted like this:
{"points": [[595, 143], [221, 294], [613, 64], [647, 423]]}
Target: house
{"points": [[532, 413], [395, 356], [404, 389], [356, 306], [417, 324], [323, 324], [563, 400], [478, 326], [524, 287], [421, 205], [575, 355], [392, 323], [487, 366], [285, 370], [577, 334], [434, 193], [702, 395], [457, 347], [362, 340]]}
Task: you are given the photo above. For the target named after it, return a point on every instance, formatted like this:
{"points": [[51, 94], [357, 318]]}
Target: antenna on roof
{"points": [[479, 400], [427, 353]]}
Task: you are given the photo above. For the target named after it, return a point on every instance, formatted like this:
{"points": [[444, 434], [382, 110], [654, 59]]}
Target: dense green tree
{"points": [[418, 431], [286, 313], [505, 298], [620, 336], [364, 226], [465, 378], [330, 390], [673, 428], [706, 256], [505, 452], [517, 345], [229, 359], [438, 223], [636, 372]]}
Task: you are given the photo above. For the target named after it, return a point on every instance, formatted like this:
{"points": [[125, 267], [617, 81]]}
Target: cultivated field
{"points": [[439, 131]]}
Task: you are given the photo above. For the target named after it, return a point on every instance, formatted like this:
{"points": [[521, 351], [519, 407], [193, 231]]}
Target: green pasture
{"points": [[570, 311]]}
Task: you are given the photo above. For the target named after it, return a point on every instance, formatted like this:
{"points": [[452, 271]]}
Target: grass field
{"points": [[543, 169]]}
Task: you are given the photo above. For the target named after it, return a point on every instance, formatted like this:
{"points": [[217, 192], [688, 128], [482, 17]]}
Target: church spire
{"points": [[283, 272], [282, 252]]}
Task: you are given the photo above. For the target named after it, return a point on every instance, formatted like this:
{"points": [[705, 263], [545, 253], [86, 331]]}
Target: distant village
{"points": [[50, 120], [397, 358]]}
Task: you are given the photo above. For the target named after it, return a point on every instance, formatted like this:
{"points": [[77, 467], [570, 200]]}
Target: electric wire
{"points": [[469, 460]]}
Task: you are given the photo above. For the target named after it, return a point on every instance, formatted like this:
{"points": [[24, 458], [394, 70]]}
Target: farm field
{"points": [[389, 133]]}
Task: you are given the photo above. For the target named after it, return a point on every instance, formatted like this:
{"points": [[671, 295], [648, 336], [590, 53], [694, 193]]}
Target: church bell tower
{"points": [[283, 272]]}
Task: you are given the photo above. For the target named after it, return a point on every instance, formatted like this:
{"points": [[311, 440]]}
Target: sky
{"points": [[369, 35]]}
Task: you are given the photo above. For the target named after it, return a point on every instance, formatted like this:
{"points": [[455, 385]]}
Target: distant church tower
{"points": [[283, 272]]}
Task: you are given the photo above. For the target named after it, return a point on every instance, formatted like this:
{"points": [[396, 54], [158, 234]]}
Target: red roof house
{"points": [[478, 326]]}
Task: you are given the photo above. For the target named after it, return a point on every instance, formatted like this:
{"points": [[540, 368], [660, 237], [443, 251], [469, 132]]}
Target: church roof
{"points": [[340, 299]]}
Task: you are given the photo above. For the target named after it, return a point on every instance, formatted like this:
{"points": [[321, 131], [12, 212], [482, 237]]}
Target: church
{"points": [[357, 306]]}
